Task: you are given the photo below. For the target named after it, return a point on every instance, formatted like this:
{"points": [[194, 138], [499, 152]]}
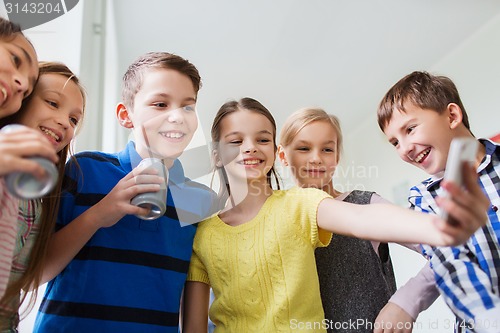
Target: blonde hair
{"points": [[303, 117]]}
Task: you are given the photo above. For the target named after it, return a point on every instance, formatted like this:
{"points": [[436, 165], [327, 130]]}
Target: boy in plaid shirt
{"points": [[420, 115]]}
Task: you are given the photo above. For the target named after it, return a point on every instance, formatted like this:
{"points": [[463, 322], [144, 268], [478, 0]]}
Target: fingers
{"points": [[472, 186], [148, 179], [24, 143], [467, 207]]}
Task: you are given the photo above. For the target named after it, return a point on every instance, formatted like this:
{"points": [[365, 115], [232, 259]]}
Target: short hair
{"points": [[133, 77], [303, 117], [424, 90]]}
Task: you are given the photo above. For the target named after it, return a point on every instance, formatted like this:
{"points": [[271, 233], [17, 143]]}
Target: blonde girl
{"points": [[258, 252], [356, 276]]}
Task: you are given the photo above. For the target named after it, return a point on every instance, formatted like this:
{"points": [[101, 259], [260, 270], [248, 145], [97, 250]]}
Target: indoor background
{"points": [[339, 55]]}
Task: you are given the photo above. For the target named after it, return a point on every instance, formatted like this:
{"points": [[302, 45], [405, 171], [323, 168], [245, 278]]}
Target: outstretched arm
{"points": [[384, 222], [195, 310], [65, 244]]}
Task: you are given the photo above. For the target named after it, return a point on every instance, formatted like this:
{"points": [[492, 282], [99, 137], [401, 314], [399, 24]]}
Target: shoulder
{"points": [[299, 195], [188, 189], [209, 224], [96, 157], [90, 160], [358, 196]]}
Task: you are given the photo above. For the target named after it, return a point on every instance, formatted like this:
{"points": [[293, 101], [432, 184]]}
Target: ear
{"points": [[218, 161], [455, 115], [282, 155], [122, 114]]}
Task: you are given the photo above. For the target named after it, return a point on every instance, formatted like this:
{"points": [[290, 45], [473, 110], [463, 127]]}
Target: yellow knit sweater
{"points": [[263, 272]]}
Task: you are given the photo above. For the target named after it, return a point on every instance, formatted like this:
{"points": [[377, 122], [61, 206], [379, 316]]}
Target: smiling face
{"points": [[55, 108], [312, 155], [165, 107], [18, 73], [422, 137], [246, 148]]}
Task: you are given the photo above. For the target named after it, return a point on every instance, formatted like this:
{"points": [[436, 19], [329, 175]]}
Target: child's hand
{"points": [[116, 203], [15, 146], [393, 319], [467, 207]]}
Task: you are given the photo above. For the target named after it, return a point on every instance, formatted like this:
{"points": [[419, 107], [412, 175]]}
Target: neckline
{"points": [[253, 221]]}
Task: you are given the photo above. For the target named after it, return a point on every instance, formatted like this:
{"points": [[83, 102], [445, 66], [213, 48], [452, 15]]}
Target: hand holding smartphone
{"points": [[462, 150]]}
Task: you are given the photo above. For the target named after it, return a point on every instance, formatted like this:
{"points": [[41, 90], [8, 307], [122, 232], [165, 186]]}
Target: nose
{"points": [[21, 83], [63, 121], [314, 157], [406, 150], [250, 148], [176, 116]]}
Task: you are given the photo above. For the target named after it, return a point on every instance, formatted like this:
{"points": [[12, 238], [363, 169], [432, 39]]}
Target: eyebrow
{"points": [[307, 142], [188, 99], [236, 132]]}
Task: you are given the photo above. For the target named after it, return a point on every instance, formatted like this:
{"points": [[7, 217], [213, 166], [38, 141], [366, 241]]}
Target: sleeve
{"points": [[465, 286], [419, 204], [197, 271], [30, 213], [305, 209], [70, 188], [418, 293]]}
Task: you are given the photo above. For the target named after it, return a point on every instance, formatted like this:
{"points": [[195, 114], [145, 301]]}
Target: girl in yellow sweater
{"points": [[257, 253]]}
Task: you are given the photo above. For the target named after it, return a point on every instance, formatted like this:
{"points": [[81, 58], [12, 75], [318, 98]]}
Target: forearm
{"points": [[195, 307], [381, 222], [65, 244]]}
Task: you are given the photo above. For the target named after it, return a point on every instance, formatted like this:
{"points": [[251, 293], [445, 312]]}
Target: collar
{"points": [[130, 158], [491, 148]]}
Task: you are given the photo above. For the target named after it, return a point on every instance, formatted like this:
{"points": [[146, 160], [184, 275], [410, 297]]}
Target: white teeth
{"points": [[4, 92], [252, 162], [173, 135], [50, 133], [420, 156]]}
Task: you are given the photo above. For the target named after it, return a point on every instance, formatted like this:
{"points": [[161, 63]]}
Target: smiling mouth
{"points": [[4, 93], [50, 134], [250, 162], [420, 157], [173, 135]]}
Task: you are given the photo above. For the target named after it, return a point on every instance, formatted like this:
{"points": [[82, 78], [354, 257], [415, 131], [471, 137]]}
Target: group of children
{"points": [[276, 260]]}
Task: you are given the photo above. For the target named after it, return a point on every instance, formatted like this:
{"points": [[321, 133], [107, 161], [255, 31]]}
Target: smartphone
{"points": [[462, 150]]}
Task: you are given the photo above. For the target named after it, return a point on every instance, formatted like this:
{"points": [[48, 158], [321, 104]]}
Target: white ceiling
{"points": [[339, 55]]}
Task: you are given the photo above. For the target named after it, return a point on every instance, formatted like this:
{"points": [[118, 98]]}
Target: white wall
{"points": [[474, 67]]}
